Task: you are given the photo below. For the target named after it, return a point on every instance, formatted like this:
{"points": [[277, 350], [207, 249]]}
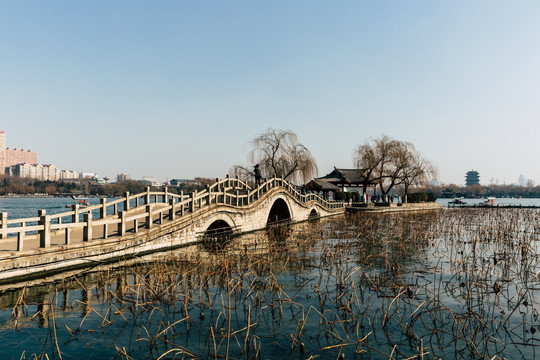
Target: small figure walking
{"points": [[258, 176]]}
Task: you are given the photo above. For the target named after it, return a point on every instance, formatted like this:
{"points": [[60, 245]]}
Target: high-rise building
{"points": [[19, 156], [122, 177], [2, 149], [472, 178], [10, 157]]}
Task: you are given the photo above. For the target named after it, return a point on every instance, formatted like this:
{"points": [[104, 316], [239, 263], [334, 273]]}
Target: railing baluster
{"points": [[4, 221], [149, 220], [126, 201], [45, 234], [20, 238], [103, 215], [87, 230], [122, 223]]}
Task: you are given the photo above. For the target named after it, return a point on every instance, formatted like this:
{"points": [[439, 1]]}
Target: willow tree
{"points": [[279, 154], [390, 163], [374, 159], [418, 170]]}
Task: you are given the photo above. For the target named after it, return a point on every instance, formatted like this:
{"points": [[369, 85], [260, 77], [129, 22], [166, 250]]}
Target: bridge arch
{"points": [[313, 214], [220, 225], [280, 212]]}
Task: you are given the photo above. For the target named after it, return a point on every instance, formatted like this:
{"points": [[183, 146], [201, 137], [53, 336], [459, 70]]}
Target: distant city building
{"points": [[19, 156], [88, 176], [2, 150], [150, 180], [122, 177], [472, 178], [182, 182], [69, 175], [41, 172], [10, 157]]}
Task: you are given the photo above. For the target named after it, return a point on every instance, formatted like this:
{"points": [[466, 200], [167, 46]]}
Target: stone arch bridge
{"points": [[147, 222]]}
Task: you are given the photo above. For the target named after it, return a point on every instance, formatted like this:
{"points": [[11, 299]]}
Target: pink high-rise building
{"points": [[2, 149], [10, 157], [19, 156]]}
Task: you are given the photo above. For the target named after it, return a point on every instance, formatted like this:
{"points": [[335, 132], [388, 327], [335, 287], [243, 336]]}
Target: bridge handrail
{"points": [[224, 191]]}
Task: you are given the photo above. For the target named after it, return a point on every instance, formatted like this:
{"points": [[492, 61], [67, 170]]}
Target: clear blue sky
{"points": [[176, 89]]}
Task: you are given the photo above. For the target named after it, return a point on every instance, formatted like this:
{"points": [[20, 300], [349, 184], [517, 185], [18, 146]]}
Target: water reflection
{"points": [[360, 287]]}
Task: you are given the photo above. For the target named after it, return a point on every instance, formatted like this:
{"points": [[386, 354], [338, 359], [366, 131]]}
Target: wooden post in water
{"points": [[45, 233], [87, 231], [4, 221]]}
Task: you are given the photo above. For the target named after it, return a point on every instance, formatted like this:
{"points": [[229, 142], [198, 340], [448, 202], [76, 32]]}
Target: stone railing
{"points": [[132, 212]]}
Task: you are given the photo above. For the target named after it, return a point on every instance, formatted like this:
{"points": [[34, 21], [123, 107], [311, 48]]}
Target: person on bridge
{"points": [[258, 176]]}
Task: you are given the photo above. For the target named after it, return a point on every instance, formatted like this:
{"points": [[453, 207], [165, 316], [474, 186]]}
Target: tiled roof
{"points": [[321, 185], [344, 176]]}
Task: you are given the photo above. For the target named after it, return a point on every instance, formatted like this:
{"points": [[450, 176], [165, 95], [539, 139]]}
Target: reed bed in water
{"points": [[455, 284]]}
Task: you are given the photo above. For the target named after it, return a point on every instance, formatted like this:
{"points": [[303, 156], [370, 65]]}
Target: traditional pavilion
{"points": [[345, 178], [337, 180], [323, 188]]}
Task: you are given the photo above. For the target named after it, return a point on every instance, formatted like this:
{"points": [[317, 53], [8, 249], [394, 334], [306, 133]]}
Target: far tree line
{"points": [[20, 186], [393, 166], [482, 191]]}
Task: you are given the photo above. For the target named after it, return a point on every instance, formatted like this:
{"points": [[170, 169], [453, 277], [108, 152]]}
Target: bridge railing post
{"points": [[87, 230], [149, 217], [147, 196], [228, 177], [172, 210], [4, 221], [126, 201], [67, 236], [103, 215], [20, 238], [122, 223], [209, 196], [181, 203], [75, 216], [166, 196], [45, 233], [192, 201]]}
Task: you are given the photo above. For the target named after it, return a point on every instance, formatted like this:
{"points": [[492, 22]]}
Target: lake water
{"points": [[452, 284], [501, 201], [26, 207]]}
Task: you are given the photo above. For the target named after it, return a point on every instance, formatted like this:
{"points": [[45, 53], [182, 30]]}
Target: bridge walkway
{"points": [[131, 214]]}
